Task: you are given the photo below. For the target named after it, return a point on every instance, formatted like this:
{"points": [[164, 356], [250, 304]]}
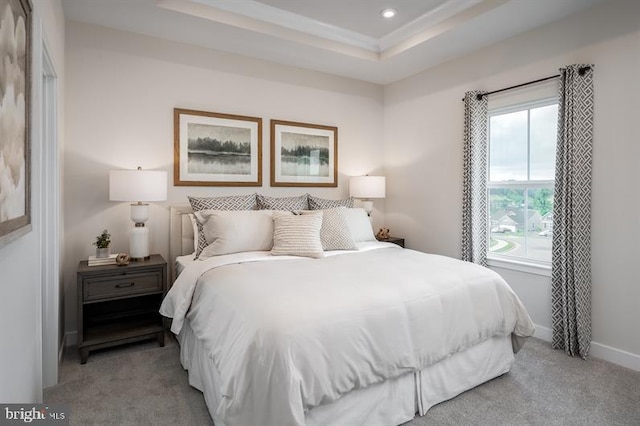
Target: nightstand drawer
{"points": [[127, 284]]}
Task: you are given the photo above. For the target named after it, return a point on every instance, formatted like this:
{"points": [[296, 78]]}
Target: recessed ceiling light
{"points": [[389, 13]]}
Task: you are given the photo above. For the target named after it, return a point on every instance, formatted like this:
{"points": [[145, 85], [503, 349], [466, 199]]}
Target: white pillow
{"points": [[230, 202], [235, 231], [297, 235], [335, 233], [360, 225]]}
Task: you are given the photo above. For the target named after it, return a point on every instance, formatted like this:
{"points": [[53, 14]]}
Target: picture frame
{"points": [[15, 119], [215, 149], [303, 154]]}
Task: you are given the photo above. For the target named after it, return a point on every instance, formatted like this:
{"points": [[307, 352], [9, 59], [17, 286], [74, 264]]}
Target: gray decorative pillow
{"points": [[231, 202], [316, 203], [335, 233], [297, 235], [282, 203]]}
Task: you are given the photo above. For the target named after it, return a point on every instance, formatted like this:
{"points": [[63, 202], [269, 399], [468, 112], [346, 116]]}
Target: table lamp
{"points": [[366, 188], [139, 186]]}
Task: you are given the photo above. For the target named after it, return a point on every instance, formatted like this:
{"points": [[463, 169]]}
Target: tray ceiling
{"points": [[347, 38]]}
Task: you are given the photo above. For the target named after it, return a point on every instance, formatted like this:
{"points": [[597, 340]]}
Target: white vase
{"points": [[102, 252]]}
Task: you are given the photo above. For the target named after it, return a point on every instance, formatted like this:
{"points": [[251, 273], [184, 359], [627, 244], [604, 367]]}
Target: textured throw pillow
{"points": [[282, 203], [316, 203], [229, 232], [297, 235], [359, 225], [335, 233], [231, 202]]}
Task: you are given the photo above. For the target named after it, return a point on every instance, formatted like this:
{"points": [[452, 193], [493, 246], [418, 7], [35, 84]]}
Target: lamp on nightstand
{"points": [[139, 186], [366, 188]]}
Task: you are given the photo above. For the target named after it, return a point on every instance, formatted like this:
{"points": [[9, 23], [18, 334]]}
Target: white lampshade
{"points": [[137, 185], [367, 187]]}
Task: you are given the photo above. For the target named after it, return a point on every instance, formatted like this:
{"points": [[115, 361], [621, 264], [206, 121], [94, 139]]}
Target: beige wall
{"points": [[423, 155], [123, 87], [20, 261], [121, 92]]}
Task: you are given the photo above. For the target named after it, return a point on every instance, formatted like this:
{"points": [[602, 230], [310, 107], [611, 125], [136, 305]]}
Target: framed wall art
{"points": [[213, 149], [303, 154], [15, 119]]}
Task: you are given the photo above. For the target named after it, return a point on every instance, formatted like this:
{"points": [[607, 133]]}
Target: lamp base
{"points": [[367, 205], [139, 243], [139, 259]]}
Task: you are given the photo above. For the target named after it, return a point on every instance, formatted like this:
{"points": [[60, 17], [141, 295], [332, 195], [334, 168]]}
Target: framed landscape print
{"points": [[213, 149], [303, 154], [15, 104]]}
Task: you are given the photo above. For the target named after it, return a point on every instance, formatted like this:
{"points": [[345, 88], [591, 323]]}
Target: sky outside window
{"points": [[543, 142], [508, 148]]}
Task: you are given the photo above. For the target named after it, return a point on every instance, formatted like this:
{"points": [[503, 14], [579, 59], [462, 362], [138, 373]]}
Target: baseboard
{"points": [[598, 350], [543, 333], [71, 338], [617, 356]]}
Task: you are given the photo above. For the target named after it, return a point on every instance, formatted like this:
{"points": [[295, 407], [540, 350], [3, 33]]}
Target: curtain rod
{"points": [[479, 96]]}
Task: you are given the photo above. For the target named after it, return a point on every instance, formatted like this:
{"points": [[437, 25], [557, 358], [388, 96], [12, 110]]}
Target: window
{"points": [[522, 145]]}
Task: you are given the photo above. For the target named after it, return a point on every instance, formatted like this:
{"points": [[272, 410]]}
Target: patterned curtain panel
{"points": [[571, 264], [474, 192]]}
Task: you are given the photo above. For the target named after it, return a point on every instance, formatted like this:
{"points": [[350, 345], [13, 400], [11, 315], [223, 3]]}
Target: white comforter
{"points": [[289, 334]]}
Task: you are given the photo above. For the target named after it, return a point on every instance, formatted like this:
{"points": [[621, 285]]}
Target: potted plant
{"points": [[102, 244]]}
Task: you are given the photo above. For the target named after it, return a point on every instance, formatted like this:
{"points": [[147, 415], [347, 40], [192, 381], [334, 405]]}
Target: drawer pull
{"points": [[125, 285]]}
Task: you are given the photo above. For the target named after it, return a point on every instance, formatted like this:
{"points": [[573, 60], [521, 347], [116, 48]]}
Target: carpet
{"points": [[143, 384]]}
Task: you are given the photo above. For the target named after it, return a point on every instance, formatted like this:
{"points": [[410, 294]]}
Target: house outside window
{"points": [[522, 142]]}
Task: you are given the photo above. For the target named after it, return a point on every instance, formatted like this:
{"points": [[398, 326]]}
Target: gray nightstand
{"points": [[119, 304], [394, 240]]}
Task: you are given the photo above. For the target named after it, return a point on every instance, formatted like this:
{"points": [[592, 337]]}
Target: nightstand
{"points": [[394, 240], [119, 304]]}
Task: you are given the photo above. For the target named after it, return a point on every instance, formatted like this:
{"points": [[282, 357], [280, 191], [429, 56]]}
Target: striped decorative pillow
{"points": [[335, 233], [283, 203], [231, 202], [297, 235], [316, 203]]}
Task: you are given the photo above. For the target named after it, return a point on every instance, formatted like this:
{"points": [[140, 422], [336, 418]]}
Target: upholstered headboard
{"points": [[180, 236]]}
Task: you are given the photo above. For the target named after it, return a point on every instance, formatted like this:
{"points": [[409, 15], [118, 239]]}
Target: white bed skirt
{"points": [[388, 403]]}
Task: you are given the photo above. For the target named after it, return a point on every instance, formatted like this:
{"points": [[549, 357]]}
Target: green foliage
{"points": [[103, 240], [503, 199], [542, 200]]}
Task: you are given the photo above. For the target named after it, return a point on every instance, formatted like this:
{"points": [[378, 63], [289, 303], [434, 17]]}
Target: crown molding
{"points": [[197, 24], [445, 20], [203, 11], [428, 20], [293, 21], [262, 18]]}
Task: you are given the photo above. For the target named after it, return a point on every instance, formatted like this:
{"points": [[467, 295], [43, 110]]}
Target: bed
{"points": [[374, 335]]}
